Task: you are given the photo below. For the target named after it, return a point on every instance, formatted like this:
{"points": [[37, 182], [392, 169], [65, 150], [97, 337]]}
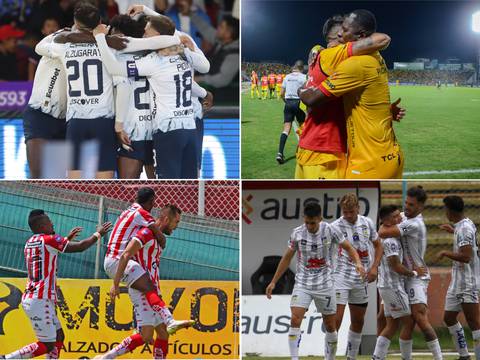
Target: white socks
{"points": [[434, 347], [381, 348], [406, 349], [476, 343], [458, 336], [354, 340], [330, 345], [294, 337]]}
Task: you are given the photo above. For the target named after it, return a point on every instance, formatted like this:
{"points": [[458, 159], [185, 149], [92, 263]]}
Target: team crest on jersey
{"points": [[356, 237], [314, 247], [58, 238], [303, 242]]}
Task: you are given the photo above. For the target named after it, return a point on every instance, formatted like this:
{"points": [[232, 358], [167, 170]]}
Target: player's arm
{"points": [[399, 268], [151, 43], [132, 248], [463, 255], [161, 239], [121, 108], [368, 45], [46, 47], [389, 231], [194, 55], [352, 253], [281, 268], [373, 272], [282, 93], [83, 245], [84, 37]]}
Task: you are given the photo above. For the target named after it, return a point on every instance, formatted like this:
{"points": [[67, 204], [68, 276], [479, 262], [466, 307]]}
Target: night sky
{"points": [[285, 30]]}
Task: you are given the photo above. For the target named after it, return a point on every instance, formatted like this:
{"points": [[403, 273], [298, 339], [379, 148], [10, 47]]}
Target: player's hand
{"points": [[104, 228], [74, 232], [269, 290], [114, 292], [134, 10], [398, 113], [117, 42], [100, 29], [440, 255], [207, 102], [187, 42], [123, 138], [421, 271], [372, 274], [447, 227], [361, 271]]}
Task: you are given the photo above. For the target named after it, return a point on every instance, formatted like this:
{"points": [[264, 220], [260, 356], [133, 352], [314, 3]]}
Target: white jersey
{"points": [[171, 80], [89, 85], [465, 275], [49, 91], [292, 83], [315, 254], [136, 101], [361, 235], [387, 278], [414, 242]]}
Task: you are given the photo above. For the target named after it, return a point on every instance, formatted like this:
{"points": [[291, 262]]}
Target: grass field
{"points": [[439, 133]]}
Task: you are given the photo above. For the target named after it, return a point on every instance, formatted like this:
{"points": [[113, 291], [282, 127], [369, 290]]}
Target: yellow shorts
{"points": [[383, 169], [279, 87], [264, 88], [316, 165], [254, 86]]}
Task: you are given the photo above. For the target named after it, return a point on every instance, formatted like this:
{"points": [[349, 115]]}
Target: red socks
{"points": [[41, 349], [135, 341], [154, 300], [160, 349]]}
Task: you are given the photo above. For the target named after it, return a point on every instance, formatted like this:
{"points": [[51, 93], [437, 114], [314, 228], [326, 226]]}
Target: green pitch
{"points": [[441, 132]]}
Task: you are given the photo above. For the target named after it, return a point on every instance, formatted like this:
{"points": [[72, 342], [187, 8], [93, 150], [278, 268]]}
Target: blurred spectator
{"points": [[9, 36], [182, 12], [26, 51], [50, 25], [224, 58]]}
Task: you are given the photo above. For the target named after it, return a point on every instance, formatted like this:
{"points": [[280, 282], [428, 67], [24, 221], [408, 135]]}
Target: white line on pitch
{"points": [[431, 172]]}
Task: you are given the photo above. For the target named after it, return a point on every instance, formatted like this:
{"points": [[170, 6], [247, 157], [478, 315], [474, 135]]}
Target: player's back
{"points": [[387, 277], [414, 242], [90, 86], [149, 255], [292, 83]]}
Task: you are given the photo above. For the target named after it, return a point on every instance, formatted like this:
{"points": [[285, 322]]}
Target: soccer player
{"points": [[349, 285], [44, 116], [462, 294], [264, 81], [39, 298], [413, 236], [90, 109], [315, 242], [391, 283], [145, 250], [170, 75], [373, 150], [135, 277], [271, 84], [291, 110], [278, 86], [254, 84]]}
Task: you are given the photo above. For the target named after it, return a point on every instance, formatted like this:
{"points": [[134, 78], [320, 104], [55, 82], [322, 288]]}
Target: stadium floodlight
{"points": [[476, 22]]}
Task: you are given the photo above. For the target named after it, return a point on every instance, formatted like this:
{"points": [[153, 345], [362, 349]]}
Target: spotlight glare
{"points": [[476, 22]]}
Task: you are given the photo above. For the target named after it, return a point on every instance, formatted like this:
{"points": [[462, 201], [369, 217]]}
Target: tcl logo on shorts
{"points": [[389, 157]]}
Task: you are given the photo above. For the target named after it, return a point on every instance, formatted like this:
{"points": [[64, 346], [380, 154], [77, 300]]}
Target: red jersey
{"points": [[149, 255], [129, 222], [264, 81], [279, 79], [325, 129], [271, 79], [41, 259]]}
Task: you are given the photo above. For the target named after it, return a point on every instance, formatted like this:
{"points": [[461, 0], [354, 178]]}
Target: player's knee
{"points": [[449, 319]]}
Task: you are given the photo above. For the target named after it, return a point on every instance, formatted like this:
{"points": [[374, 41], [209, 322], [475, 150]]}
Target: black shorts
{"points": [[292, 111], [38, 125], [200, 131], [142, 151], [176, 154], [100, 129]]}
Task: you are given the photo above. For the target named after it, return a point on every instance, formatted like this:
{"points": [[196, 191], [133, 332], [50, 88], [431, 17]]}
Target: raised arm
{"points": [[194, 55], [114, 66], [48, 48], [464, 254], [82, 245], [281, 268], [151, 43], [389, 232], [368, 45]]}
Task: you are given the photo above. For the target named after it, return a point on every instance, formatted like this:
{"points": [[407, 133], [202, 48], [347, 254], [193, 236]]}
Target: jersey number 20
{"points": [[95, 63]]}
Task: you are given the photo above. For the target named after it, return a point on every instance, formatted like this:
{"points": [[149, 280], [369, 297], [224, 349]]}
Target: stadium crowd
{"points": [[264, 68], [213, 24]]}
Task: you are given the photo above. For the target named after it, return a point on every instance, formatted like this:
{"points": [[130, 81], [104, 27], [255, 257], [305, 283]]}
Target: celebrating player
{"points": [[254, 84], [278, 85], [135, 277], [413, 235], [146, 251], [391, 283], [264, 82], [38, 301], [349, 285], [315, 241], [271, 85], [462, 294], [291, 111]]}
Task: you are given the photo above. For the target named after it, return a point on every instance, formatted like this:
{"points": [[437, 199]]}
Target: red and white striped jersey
{"points": [[149, 255], [41, 259], [129, 222]]}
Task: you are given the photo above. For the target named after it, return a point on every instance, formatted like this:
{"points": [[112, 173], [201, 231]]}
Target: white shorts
{"points": [[453, 302], [144, 314], [132, 272], [416, 290], [395, 302], [325, 300], [352, 296], [43, 318]]}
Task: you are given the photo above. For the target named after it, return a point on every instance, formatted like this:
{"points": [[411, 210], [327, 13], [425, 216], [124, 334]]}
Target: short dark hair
{"points": [[418, 193], [87, 14], [454, 203], [386, 210], [298, 65], [312, 209], [35, 218], [163, 24], [172, 209], [233, 24], [145, 194], [364, 21], [127, 26], [331, 22]]}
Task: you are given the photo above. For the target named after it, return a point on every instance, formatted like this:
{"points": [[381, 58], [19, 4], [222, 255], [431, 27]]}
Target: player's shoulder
{"points": [[366, 219], [298, 230]]}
